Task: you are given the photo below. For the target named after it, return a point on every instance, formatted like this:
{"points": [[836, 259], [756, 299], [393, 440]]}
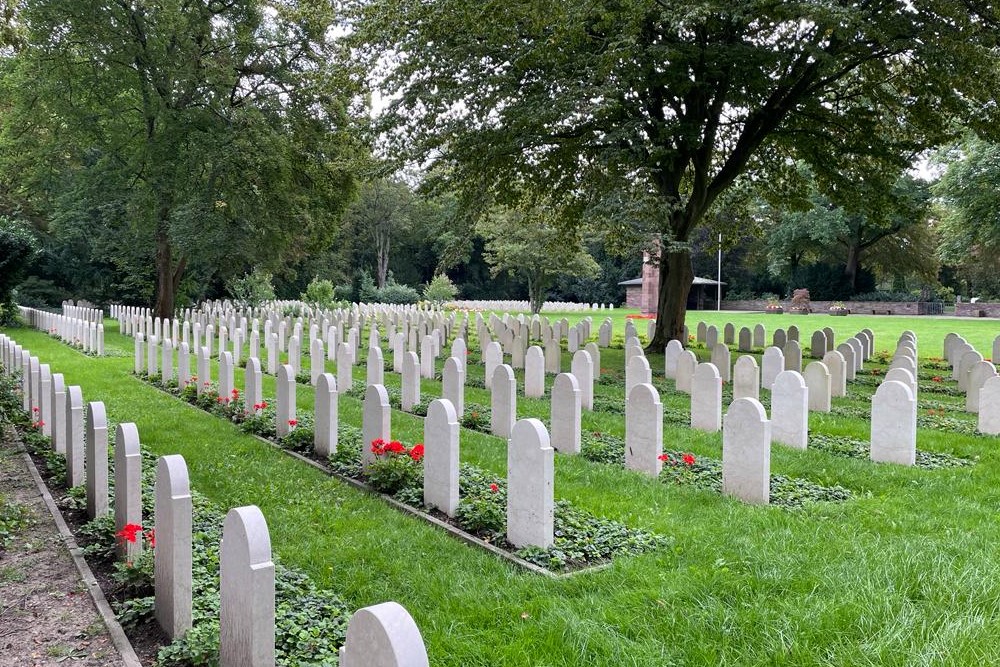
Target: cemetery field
{"points": [[902, 572]]}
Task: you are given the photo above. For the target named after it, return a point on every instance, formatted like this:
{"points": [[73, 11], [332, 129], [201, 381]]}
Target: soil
{"points": [[46, 615], [52, 618]]}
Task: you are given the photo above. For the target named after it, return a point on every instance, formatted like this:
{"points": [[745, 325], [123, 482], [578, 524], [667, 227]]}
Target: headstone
{"points": [[793, 356], [711, 337], [566, 413], [706, 399], [859, 353], [317, 360], [383, 635], [534, 372], [779, 339], [835, 363], [847, 352], [817, 345], [375, 367], [759, 335], [793, 333], [644, 430], [965, 366], [427, 357], [582, 368], [721, 361], [817, 377], [989, 407], [729, 334], [830, 337], [167, 361], [595, 356], [904, 376], [553, 357], [746, 340], [746, 378], [375, 421], [453, 384], [894, 424], [345, 370], [746, 452], [978, 376], [74, 437], [772, 363], [246, 591], [686, 363], [327, 415], [701, 332], [530, 485], [227, 376], [97, 460], [411, 381], [128, 488], [492, 358], [253, 388], [503, 401], [670, 356], [172, 569], [45, 398], [59, 434], [441, 457], [790, 410], [285, 404], [637, 372]]}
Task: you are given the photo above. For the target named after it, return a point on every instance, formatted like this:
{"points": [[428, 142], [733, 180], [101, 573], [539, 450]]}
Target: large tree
{"points": [[654, 108], [221, 131]]}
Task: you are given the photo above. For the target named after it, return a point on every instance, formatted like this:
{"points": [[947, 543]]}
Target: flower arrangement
{"points": [[838, 308], [800, 302], [395, 466], [773, 305]]}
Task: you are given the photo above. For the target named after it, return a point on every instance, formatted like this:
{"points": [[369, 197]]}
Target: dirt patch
{"points": [[46, 615]]}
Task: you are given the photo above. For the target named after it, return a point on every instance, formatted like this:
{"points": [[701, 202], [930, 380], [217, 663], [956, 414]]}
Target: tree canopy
{"points": [[650, 110], [212, 135]]}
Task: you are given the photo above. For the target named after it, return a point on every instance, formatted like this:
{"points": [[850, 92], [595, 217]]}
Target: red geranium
{"points": [[417, 452], [293, 422], [688, 459], [494, 488], [129, 533]]}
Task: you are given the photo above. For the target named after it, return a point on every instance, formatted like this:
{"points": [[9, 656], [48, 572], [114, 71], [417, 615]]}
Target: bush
{"points": [[252, 289], [882, 295], [392, 292], [440, 289], [319, 293], [395, 467]]}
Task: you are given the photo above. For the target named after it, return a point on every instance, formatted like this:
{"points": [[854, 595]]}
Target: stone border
{"points": [[118, 637], [403, 507]]}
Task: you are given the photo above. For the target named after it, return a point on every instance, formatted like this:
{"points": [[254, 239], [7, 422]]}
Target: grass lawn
{"points": [[903, 574]]}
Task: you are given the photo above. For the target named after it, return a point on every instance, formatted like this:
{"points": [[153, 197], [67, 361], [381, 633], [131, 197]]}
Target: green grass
{"points": [[902, 575]]}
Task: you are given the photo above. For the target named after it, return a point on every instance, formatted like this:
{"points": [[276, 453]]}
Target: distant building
{"points": [[643, 292]]}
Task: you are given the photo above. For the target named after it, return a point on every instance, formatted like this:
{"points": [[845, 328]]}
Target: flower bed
{"points": [[706, 473], [853, 448], [582, 539]]}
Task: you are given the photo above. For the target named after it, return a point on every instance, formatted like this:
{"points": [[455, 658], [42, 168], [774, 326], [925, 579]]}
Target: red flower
{"points": [[129, 532], [293, 422], [378, 447], [937, 378], [34, 409], [395, 447], [688, 459], [263, 405], [151, 536], [236, 393], [417, 452], [664, 457], [494, 488]]}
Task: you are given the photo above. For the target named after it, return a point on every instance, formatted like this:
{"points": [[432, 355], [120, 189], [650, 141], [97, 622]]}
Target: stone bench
{"points": [[884, 311]]}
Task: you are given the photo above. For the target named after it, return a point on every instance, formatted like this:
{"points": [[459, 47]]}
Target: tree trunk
{"points": [[165, 292], [851, 266], [536, 294], [676, 276]]}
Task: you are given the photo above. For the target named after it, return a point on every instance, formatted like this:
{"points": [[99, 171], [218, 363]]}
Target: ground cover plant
{"points": [[900, 574]]}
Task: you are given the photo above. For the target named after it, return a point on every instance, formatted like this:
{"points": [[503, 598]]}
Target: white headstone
{"points": [[835, 363], [534, 372], [246, 591], [530, 485], [644, 430], [582, 368], [989, 407], [746, 452], [74, 437], [790, 410], [172, 555], [285, 404], [706, 398], [817, 377], [441, 430], [327, 414], [97, 460], [375, 421], [686, 363], [383, 635], [566, 413], [503, 401], [772, 363], [453, 384], [128, 488], [894, 424], [746, 378]]}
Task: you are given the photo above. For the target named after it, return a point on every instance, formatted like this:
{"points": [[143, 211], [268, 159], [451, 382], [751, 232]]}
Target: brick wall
{"points": [[856, 307], [977, 309]]}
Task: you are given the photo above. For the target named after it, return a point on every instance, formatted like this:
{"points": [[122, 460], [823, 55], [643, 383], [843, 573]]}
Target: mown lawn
{"points": [[903, 574]]}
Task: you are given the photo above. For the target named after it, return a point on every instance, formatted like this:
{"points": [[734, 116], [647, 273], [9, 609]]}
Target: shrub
{"points": [[320, 293], [440, 289], [395, 467], [252, 289]]}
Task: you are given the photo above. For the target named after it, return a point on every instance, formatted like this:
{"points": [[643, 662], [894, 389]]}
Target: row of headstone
{"points": [[82, 332], [246, 613]]}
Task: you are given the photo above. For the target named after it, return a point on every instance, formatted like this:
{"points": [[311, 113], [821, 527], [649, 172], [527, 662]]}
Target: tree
{"points": [[660, 106], [17, 249], [526, 241], [381, 213], [223, 129], [884, 229], [970, 212]]}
